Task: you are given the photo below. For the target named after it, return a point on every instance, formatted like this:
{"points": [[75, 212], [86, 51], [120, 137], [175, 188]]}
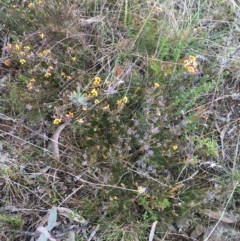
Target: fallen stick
{"points": [[54, 140]]}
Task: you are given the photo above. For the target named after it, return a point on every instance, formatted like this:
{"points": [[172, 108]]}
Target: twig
{"points": [[54, 139], [70, 196], [93, 233], [224, 210], [149, 177], [152, 231], [36, 234]]}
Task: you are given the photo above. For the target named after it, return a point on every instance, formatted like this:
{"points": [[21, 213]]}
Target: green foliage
{"points": [[134, 91], [13, 221], [76, 97]]}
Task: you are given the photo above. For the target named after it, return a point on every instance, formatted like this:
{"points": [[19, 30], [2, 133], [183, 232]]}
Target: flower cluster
{"points": [[68, 116], [31, 85], [23, 53], [123, 100], [191, 64]]}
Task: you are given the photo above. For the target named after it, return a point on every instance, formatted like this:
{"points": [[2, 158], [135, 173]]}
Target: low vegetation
{"points": [[120, 117]]}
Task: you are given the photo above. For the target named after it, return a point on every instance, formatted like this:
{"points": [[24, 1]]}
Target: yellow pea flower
{"points": [[47, 75], [57, 121], [159, 9], [69, 78], [17, 47], [22, 61], [125, 99], [97, 81], [119, 102], [106, 107], [190, 69], [69, 115], [175, 147], [192, 58], [80, 120], [94, 92], [7, 62], [26, 47]]}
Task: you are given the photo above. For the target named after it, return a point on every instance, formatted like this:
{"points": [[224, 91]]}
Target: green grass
{"points": [[153, 112]]}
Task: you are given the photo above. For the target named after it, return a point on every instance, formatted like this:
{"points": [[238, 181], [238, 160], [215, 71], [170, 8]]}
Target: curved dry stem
{"points": [[54, 140]]}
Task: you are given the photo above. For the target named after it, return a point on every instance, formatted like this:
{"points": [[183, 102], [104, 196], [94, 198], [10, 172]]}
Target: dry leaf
{"points": [[119, 71], [68, 213], [199, 229], [216, 215]]}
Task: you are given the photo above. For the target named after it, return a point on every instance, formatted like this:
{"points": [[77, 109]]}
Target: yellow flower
{"points": [[69, 49], [187, 65], [30, 4], [74, 58], [57, 121], [69, 115], [7, 62], [191, 69], [69, 78], [26, 47], [119, 102], [106, 107], [47, 75], [22, 53], [125, 99], [49, 68], [32, 80], [63, 74], [94, 92], [9, 45], [17, 47], [175, 147], [46, 51], [96, 101], [22, 61], [141, 189], [30, 86], [97, 81], [80, 120], [191, 64], [159, 9], [156, 85], [41, 35], [192, 58]]}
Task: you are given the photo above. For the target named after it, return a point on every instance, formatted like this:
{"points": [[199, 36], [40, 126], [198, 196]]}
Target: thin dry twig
{"points": [[37, 234], [152, 231], [54, 139], [93, 233]]}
